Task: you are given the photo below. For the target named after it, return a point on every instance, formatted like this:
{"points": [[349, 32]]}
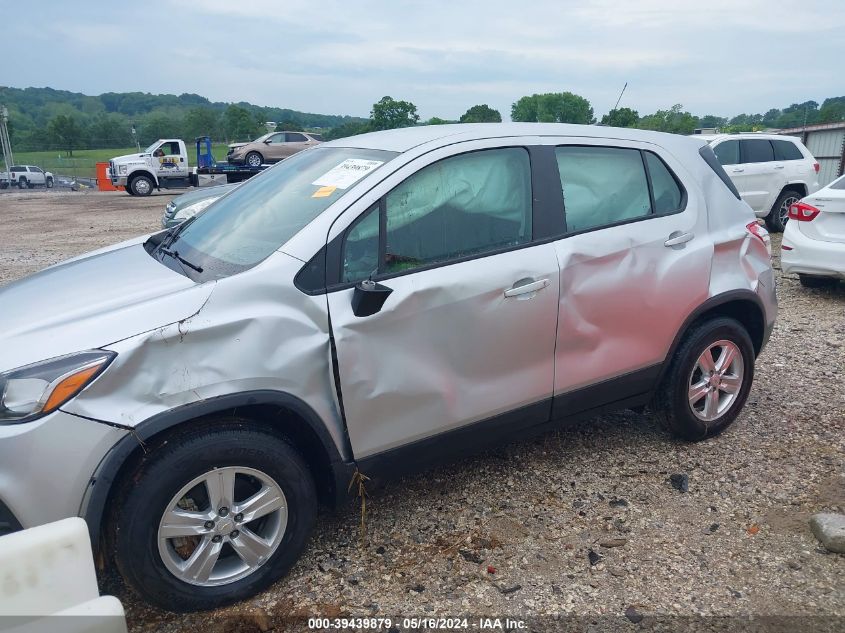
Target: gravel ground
{"points": [[581, 522]]}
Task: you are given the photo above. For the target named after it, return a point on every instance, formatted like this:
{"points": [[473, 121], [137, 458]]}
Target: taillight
{"points": [[761, 234], [816, 166], [802, 212]]}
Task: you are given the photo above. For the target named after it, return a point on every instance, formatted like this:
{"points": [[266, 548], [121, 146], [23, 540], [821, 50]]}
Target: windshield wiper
{"points": [[171, 236], [175, 255]]}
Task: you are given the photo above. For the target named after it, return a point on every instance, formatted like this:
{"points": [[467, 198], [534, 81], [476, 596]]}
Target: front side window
{"points": [[275, 138], [35, 170], [602, 185], [244, 227], [757, 150], [459, 207], [727, 152], [785, 150]]}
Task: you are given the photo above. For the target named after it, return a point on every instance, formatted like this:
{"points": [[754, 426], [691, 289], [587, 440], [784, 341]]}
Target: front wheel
{"points": [[708, 380], [49, 183], [141, 186], [254, 159], [213, 517], [778, 216]]}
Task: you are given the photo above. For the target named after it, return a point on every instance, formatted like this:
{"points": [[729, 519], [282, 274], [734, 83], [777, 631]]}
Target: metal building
{"points": [[826, 141]]}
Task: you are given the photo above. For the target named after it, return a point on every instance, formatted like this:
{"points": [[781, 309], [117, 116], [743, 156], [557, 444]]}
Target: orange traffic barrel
{"points": [[103, 182]]}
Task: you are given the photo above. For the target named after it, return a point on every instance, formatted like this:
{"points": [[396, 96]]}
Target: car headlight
{"points": [[192, 209], [29, 392], [122, 169]]}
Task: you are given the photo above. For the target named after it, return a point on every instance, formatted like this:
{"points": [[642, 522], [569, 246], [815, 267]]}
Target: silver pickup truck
{"points": [[26, 176]]}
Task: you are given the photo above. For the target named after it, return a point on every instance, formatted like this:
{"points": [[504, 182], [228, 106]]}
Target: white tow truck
{"points": [[165, 165]]}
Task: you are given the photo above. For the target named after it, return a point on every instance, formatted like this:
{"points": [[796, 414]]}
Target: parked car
{"points": [[771, 172], [814, 240], [270, 148], [370, 306], [189, 204], [26, 176]]}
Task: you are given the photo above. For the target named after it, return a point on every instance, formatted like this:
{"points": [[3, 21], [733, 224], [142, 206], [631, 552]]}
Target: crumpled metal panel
{"points": [[446, 349], [91, 301], [256, 331]]}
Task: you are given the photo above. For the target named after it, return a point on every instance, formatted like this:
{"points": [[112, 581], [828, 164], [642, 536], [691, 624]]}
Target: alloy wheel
{"points": [[716, 380], [222, 526], [783, 212]]}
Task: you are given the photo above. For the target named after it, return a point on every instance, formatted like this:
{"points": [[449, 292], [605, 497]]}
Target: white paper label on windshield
{"points": [[347, 173]]}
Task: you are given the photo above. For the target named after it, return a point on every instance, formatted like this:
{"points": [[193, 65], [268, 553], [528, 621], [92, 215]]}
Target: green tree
{"points": [[159, 125], [201, 121], [621, 117], [347, 129], [436, 120], [389, 113], [711, 120], [109, 130], [481, 114], [673, 120], [553, 107], [833, 109], [66, 133], [238, 124]]}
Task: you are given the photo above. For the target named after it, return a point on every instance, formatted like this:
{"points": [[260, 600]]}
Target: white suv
{"points": [[771, 172]]}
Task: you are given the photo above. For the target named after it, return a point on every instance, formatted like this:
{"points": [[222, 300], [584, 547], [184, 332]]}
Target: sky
{"points": [[718, 57]]}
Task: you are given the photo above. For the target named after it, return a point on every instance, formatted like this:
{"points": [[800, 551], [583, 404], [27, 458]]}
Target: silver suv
{"points": [[368, 306]]}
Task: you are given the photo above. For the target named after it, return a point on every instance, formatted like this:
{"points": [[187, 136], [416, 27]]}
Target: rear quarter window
{"points": [[787, 150]]}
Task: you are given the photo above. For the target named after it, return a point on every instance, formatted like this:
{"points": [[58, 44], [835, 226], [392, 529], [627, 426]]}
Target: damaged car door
{"points": [[447, 309]]}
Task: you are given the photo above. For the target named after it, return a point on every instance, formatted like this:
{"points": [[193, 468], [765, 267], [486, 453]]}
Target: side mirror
{"points": [[369, 297], [267, 141]]}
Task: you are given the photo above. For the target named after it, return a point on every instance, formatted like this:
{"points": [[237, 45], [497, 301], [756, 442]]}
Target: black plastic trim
{"points": [[708, 155], [8, 522], [640, 382], [94, 505]]}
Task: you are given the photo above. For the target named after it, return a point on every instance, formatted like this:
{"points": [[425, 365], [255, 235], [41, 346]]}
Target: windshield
{"points": [[256, 219], [150, 149]]}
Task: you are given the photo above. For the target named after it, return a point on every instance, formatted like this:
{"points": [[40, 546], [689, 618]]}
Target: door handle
{"points": [[524, 289], [677, 238], [737, 171], [779, 166]]}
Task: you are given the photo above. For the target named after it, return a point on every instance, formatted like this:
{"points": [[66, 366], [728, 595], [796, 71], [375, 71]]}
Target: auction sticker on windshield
{"points": [[347, 173]]}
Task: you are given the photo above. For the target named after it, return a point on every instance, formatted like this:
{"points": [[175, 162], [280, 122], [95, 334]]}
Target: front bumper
{"points": [[812, 257], [120, 181], [46, 466]]}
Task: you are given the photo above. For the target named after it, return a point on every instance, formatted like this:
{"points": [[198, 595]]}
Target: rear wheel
{"points": [[808, 281], [778, 216], [254, 159], [21, 183], [213, 516], [141, 186], [708, 380]]}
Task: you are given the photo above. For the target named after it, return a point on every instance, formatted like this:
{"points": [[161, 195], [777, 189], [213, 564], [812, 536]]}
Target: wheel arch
{"points": [[141, 172], [279, 413], [743, 305], [798, 187]]}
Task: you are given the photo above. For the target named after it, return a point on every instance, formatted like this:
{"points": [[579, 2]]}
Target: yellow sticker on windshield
{"points": [[323, 192]]}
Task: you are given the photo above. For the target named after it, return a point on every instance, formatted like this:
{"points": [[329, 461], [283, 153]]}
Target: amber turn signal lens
{"points": [[70, 386]]}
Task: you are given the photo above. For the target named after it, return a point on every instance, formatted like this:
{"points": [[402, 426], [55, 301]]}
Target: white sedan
{"points": [[814, 240]]}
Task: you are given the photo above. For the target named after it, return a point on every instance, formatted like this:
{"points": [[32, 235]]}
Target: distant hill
{"points": [[44, 118]]}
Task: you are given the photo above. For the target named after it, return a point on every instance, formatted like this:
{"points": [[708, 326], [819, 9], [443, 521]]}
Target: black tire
{"points": [[128, 190], [776, 220], [672, 403], [21, 183], [809, 281], [49, 183], [141, 186], [253, 159], [147, 493]]}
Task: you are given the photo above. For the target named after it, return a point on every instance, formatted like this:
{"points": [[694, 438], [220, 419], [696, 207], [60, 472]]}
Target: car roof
{"points": [[745, 135], [404, 139]]}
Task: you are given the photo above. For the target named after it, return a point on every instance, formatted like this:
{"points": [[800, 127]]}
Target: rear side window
{"points": [[756, 150], [666, 192], [602, 185], [295, 137], [786, 150], [17, 168], [727, 152], [709, 157]]}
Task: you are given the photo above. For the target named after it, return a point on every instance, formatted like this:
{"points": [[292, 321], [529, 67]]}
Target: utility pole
{"points": [[5, 142], [612, 112]]}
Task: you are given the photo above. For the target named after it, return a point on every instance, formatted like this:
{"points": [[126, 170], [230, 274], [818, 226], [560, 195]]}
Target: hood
{"points": [[92, 301], [128, 159], [237, 145]]}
